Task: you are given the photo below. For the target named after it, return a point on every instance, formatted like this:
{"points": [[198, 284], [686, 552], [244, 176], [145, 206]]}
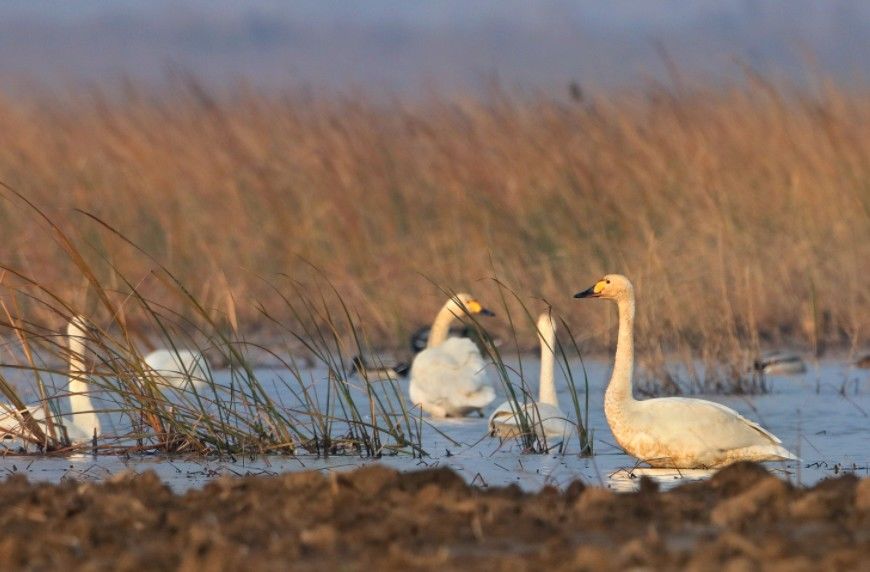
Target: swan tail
{"points": [[480, 398], [767, 453], [786, 455]]}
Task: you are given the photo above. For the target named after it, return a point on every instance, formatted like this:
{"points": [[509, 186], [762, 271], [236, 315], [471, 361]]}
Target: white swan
{"points": [[673, 432], [545, 416], [448, 378], [82, 424], [179, 369]]}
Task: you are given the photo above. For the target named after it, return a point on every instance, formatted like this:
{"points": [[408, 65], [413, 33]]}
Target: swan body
{"points": [[545, 419], [448, 378], [178, 368], [82, 424], [673, 432], [544, 416], [420, 338]]}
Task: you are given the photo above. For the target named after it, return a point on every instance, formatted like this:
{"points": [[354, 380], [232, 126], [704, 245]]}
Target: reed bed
{"points": [[238, 414], [742, 214]]}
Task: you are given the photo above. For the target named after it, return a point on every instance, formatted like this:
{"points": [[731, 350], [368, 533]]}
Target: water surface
{"points": [[822, 416]]}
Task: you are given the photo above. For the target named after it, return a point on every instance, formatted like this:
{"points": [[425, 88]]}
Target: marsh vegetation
{"points": [[309, 230]]}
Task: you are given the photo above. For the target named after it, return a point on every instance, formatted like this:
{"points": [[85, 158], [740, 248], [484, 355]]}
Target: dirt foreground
{"points": [[378, 519]]}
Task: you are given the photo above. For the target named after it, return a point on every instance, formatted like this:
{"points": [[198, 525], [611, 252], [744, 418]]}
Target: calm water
{"points": [[821, 415]]}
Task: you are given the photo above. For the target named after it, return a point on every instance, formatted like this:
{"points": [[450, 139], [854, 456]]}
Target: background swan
{"points": [[82, 423], [420, 337], [448, 378], [673, 431], [178, 368], [545, 416]]}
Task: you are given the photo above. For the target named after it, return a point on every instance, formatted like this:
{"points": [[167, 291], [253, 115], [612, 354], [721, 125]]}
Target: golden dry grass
{"points": [[743, 215]]}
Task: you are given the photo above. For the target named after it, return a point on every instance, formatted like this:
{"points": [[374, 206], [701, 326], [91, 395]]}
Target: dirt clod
{"points": [[377, 518]]}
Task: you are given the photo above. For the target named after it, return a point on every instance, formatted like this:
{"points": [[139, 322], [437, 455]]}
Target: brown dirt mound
{"points": [[377, 518]]}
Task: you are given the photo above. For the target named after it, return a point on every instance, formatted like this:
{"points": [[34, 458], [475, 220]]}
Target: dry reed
{"points": [[742, 214]]}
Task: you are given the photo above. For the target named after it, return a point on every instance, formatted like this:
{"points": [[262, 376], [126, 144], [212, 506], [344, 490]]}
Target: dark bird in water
{"points": [[779, 363], [378, 372], [420, 338]]}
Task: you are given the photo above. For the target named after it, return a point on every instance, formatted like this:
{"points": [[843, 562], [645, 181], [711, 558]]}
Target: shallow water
{"points": [[821, 415]]}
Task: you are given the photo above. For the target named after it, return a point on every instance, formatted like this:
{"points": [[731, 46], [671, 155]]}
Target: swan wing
{"points": [[451, 375], [685, 421], [736, 416], [552, 419], [502, 414]]}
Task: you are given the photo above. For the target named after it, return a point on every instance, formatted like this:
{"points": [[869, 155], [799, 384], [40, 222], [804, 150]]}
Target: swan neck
{"points": [[82, 413], [547, 389], [441, 326], [619, 389]]}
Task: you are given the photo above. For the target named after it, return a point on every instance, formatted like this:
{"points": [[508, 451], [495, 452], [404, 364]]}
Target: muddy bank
{"points": [[379, 517]]}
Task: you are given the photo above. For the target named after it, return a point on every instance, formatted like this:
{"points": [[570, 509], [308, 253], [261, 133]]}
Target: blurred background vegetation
{"points": [[737, 197]]}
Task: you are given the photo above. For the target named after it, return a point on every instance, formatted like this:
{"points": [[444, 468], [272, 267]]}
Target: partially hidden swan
{"points": [[179, 369], [448, 378], [673, 432], [82, 424], [544, 417]]}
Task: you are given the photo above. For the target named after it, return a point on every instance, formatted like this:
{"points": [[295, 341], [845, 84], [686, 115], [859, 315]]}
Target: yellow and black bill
{"points": [[592, 291]]}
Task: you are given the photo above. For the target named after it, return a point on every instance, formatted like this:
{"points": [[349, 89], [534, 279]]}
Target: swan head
{"points": [[612, 287], [461, 303]]}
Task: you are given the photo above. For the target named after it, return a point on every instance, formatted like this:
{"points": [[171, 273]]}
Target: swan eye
{"points": [[608, 281]]}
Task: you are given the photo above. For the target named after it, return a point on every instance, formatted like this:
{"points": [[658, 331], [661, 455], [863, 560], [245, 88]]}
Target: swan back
{"points": [[178, 367], [450, 379]]}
